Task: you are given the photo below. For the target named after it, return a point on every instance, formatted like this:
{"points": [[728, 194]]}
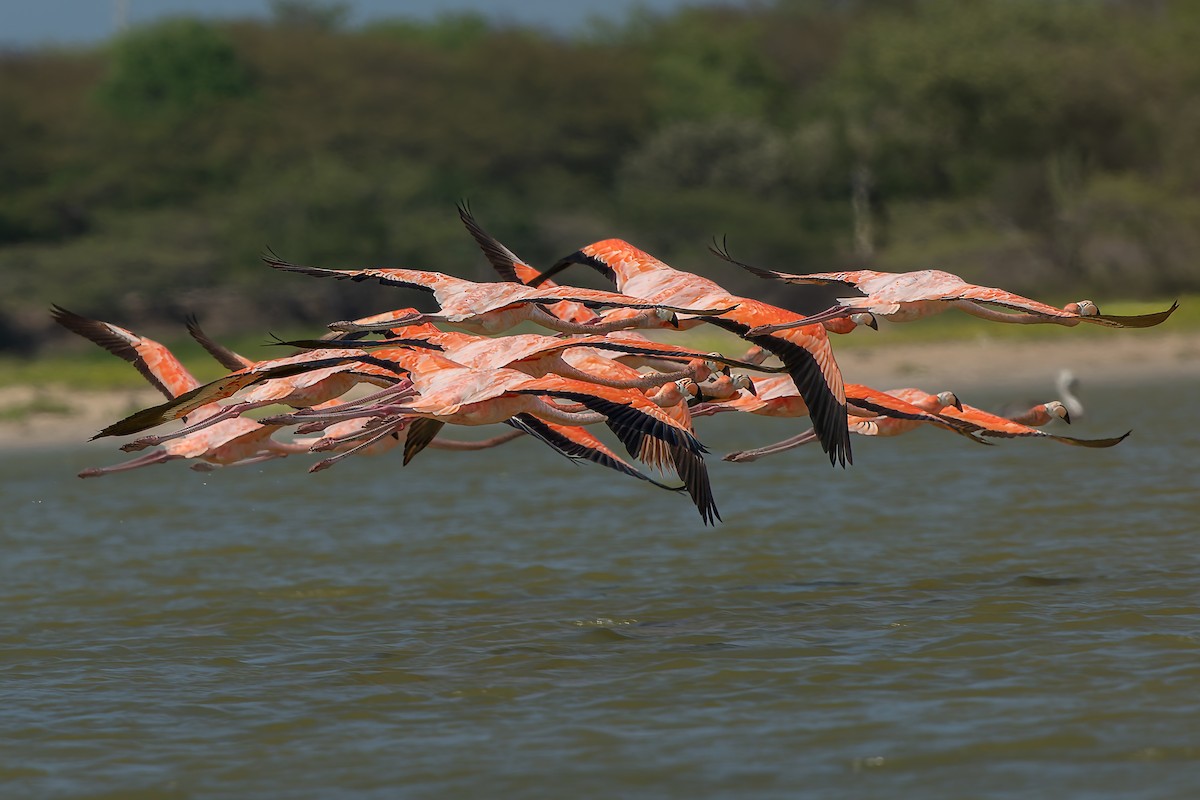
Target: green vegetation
{"points": [[1049, 147], [42, 405]]}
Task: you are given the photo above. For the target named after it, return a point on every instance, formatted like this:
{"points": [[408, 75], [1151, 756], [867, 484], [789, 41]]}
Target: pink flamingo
{"points": [[777, 398], [908, 296], [803, 349], [448, 392], [240, 441], [994, 425], [496, 307]]}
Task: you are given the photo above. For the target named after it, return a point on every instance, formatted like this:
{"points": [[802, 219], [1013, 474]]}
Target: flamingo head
{"points": [[1056, 409], [669, 394], [949, 399], [755, 355], [1084, 308], [668, 316], [688, 387], [714, 367], [741, 381], [702, 368], [865, 318]]}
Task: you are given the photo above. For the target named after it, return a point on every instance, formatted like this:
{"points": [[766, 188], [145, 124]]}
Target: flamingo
{"points": [[778, 398], [244, 441], [908, 296], [721, 386], [349, 437], [301, 381], [882, 425], [443, 391], [496, 307], [1041, 414], [449, 392], [803, 349], [994, 425], [538, 354], [1066, 384], [511, 267], [228, 442], [806, 354], [582, 358]]}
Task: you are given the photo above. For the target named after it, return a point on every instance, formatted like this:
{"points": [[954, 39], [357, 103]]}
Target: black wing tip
{"points": [[273, 260], [76, 323], [502, 260], [722, 252]]}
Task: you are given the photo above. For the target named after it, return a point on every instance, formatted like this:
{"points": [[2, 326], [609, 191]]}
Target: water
{"points": [[941, 620]]}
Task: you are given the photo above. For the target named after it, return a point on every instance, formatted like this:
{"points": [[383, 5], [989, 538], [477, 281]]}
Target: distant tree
{"points": [[736, 155], [706, 63], [173, 68], [310, 14], [449, 31]]}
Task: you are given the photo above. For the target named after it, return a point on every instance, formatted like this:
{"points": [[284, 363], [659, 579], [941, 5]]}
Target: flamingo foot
{"points": [[141, 444]]}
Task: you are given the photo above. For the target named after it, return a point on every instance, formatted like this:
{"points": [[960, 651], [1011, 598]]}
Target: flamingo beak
{"points": [[750, 388]]}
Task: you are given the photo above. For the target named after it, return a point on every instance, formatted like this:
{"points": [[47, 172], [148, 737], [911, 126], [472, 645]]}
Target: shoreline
{"points": [[982, 365]]}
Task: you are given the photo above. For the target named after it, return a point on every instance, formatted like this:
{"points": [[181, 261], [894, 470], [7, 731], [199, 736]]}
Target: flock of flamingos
{"points": [[594, 368]]}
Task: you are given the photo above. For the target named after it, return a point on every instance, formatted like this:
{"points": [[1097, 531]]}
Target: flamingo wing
{"points": [[804, 351], [576, 443], [634, 420], [808, 358], [224, 356], [219, 389], [512, 268], [1132, 321], [504, 261], [435, 283], [885, 404], [420, 433], [994, 425], [852, 278], [154, 361]]}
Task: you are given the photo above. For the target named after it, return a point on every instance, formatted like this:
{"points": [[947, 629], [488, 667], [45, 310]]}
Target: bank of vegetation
{"points": [[1050, 147]]}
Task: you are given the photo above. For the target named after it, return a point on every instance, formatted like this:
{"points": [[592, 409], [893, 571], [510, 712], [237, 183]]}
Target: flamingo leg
{"points": [[742, 456], [331, 442], [1012, 317], [644, 382], [157, 457], [548, 320], [350, 326], [205, 466], [326, 463], [482, 444], [834, 312], [226, 412]]}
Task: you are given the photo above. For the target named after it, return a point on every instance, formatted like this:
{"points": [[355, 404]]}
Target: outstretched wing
{"points": [[224, 356], [852, 278], [154, 361]]}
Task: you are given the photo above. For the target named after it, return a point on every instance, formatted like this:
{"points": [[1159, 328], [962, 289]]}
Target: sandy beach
{"points": [[981, 363]]}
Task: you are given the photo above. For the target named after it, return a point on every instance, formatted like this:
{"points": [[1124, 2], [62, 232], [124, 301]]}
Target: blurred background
{"points": [[151, 151]]}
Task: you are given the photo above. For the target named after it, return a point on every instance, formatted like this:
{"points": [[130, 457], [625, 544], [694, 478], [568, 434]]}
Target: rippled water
{"points": [[941, 620]]}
